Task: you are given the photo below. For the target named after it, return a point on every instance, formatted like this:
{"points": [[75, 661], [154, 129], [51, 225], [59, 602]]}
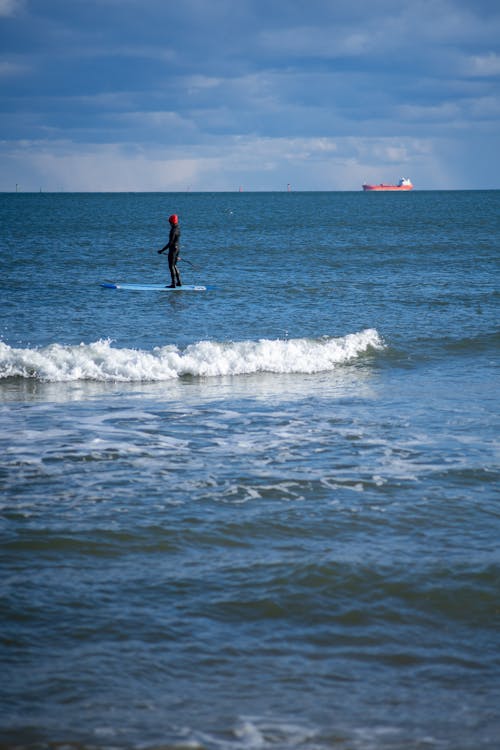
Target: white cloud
{"points": [[169, 121], [201, 83], [12, 68], [484, 65], [317, 99], [412, 30], [10, 7], [255, 163], [112, 169], [443, 112], [485, 108]]}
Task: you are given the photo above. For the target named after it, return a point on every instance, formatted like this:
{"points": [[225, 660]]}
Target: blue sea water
{"points": [[260, 516]]}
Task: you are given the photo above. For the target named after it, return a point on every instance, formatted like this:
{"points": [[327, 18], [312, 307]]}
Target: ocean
{"points": [[262, 516]]}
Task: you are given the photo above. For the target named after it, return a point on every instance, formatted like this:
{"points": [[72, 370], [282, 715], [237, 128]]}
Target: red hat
{"points": [[174, 219]]}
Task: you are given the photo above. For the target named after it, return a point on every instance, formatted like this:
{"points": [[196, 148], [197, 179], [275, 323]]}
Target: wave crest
{"points": [[99, 361]]}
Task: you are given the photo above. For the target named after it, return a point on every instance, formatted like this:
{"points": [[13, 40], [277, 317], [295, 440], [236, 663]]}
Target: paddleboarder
{"points": [[173, 247]]}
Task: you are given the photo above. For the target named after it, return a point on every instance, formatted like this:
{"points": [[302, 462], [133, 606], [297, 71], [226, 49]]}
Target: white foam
{"points": [[99, 361]]}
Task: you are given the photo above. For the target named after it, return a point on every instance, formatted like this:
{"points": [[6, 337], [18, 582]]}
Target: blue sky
{"points": [[208, 95]]}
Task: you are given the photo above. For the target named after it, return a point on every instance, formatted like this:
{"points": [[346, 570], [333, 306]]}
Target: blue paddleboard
{"points": [[155, 287]]}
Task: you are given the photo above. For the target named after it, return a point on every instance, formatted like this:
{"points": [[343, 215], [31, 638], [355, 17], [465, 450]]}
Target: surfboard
{"points": [[155, 287]]}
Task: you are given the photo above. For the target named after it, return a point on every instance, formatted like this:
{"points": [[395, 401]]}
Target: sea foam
{"points": [[100, 361]]}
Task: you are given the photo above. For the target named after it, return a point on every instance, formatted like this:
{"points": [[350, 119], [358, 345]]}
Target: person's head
{"points": [[174, 219]]}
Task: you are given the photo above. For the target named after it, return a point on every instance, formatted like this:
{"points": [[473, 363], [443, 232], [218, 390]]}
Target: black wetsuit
{"points": [[173, 246]]}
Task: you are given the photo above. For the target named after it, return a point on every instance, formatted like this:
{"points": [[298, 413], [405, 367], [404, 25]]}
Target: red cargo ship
{"points": [[403, 184]]}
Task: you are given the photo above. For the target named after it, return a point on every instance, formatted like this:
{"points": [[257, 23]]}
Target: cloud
{"points": [[256, 163], [10, 7], [484, 65], [8, 68], [153, 95]]}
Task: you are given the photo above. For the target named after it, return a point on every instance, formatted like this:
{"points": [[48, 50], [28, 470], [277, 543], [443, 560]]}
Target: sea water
{"points": [[264, 515]]}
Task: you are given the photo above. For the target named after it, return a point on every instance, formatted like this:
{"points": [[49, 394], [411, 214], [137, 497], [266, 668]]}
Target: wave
{"points": [[99, 361], [483, 342]]}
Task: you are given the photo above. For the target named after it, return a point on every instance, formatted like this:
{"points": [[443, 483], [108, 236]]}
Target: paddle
{"points": [[187, 261], [183, 259]]}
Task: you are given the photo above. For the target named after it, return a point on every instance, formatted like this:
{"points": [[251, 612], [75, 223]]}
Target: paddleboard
{"points": [[155, 287]]}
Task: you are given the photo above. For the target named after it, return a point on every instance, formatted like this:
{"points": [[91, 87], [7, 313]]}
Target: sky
{"points": [[228, 95]]}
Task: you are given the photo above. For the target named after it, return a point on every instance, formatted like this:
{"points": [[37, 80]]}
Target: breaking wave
{"points": [[99, 361]]}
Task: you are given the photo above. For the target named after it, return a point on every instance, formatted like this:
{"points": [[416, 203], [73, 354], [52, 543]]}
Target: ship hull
{"points": [[396, 188]]}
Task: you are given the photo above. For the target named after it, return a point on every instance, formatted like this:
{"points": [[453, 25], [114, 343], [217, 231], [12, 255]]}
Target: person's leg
{"points": [[171, 266], [176, 271]]}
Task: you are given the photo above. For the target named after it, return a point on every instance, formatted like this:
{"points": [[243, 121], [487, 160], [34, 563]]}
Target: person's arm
{"points": [[174, 239], [167, 246]]}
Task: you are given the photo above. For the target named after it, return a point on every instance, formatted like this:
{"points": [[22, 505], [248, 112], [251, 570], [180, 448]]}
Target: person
{"points": [[173, 247]]}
